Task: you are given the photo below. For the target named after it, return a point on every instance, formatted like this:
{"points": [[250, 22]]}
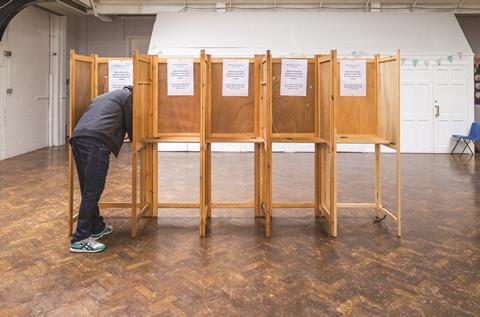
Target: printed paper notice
{"points": [[235, 77], [180, 77], [120, 74], [293, 81], [353, 77]]}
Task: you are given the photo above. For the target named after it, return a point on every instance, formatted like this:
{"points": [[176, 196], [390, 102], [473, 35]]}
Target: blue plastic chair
{"points": [[473, 136]]}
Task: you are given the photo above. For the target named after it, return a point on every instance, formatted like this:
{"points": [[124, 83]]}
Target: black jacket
{"points": [[108, 118]]}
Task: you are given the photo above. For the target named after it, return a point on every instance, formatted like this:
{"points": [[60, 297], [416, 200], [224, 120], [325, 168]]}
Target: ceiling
{"points": [[153, 6]]}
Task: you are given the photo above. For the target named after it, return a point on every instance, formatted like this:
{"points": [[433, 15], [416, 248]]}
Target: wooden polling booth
{"points": [[178, 117], [372, 118], [300, 117], [88, 79], [232, 114]]}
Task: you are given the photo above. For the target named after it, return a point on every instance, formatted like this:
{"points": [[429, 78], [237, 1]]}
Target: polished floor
{"points": [[433, 270]]}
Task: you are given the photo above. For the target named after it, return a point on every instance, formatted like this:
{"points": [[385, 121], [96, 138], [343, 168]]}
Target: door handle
{"points": [[437, 111]]}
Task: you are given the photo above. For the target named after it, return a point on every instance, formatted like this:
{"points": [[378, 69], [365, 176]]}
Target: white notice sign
{"points": [[180, 77], [235, 77], [293, 81], [120, 74], [353, 77]]}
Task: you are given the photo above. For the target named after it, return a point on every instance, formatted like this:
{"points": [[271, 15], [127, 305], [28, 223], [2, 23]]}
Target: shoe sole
{"points": [[103, 235], [84, 251]]}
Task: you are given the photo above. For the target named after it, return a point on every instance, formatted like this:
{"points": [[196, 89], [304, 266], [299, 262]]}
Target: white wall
{"points": [[424, 36], [307, 33]]}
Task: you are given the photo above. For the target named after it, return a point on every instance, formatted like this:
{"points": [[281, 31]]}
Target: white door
{"points": [[417, 109], [450, 106], [27, 78], [434, 106]]}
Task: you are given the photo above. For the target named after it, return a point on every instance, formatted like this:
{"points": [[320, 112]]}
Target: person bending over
{"points": [[99, 132]]}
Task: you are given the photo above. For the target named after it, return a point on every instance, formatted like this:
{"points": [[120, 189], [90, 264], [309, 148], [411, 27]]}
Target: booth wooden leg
{"points": [[268, 193], [149, 175], [318, 184], [257, 181], [399, 199], [134, 193], [143, 177], [202, 211], [208, 189], [71, 178], [378, 182], [333, 191], [155, 180]]}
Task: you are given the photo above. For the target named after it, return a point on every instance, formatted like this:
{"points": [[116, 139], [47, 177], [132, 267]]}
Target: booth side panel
{"points": [[81, 93], [178, 114], [144, 100], [231, 114], [83, 89], [357, 115], [102, 78], [293, 114], [388, 106], [324, 101]]}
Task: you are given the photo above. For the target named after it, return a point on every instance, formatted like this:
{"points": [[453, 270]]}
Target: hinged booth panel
{"points": [[176, 118], [325, 153], [145, 153], [356, 116], [389, 100], [232, 118], [294, 117], [82, 72]]}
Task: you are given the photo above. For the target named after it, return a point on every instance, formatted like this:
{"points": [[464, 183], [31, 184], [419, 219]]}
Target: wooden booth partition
{"points": [[325, 153], [233, 117], [144, 154], [88, 79], [264, 157], [373, 119]]}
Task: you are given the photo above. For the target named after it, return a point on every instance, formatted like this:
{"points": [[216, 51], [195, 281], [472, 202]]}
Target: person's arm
{"points": [[127, 116]]}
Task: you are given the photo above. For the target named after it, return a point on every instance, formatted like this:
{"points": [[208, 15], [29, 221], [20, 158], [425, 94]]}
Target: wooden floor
{"points": [[434, 270]]}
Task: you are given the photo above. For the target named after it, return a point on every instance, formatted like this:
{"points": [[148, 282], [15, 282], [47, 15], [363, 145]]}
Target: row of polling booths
{"points": [[209, 100]]}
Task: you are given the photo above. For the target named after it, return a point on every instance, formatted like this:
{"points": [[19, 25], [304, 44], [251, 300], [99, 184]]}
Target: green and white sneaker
{"points": [[107, 230], [88, 245]]}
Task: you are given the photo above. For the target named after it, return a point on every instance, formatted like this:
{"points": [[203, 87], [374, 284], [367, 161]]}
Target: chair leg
{"points": [[458, 141], [467, 145]]}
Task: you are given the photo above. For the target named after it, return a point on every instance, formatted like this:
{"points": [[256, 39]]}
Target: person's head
{"points": [[130, 97], [129, 88]]}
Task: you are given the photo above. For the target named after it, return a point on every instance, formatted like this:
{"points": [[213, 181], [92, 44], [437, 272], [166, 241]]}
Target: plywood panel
{"points": [[102, 78], [324, 100], [388, 105], [144, 99], [293, 114], [357, 115], [178, 114], [83, 86], [231, 114]]}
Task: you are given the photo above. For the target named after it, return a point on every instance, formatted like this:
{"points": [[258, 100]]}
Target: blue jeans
{"points": [[92, 158]]}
